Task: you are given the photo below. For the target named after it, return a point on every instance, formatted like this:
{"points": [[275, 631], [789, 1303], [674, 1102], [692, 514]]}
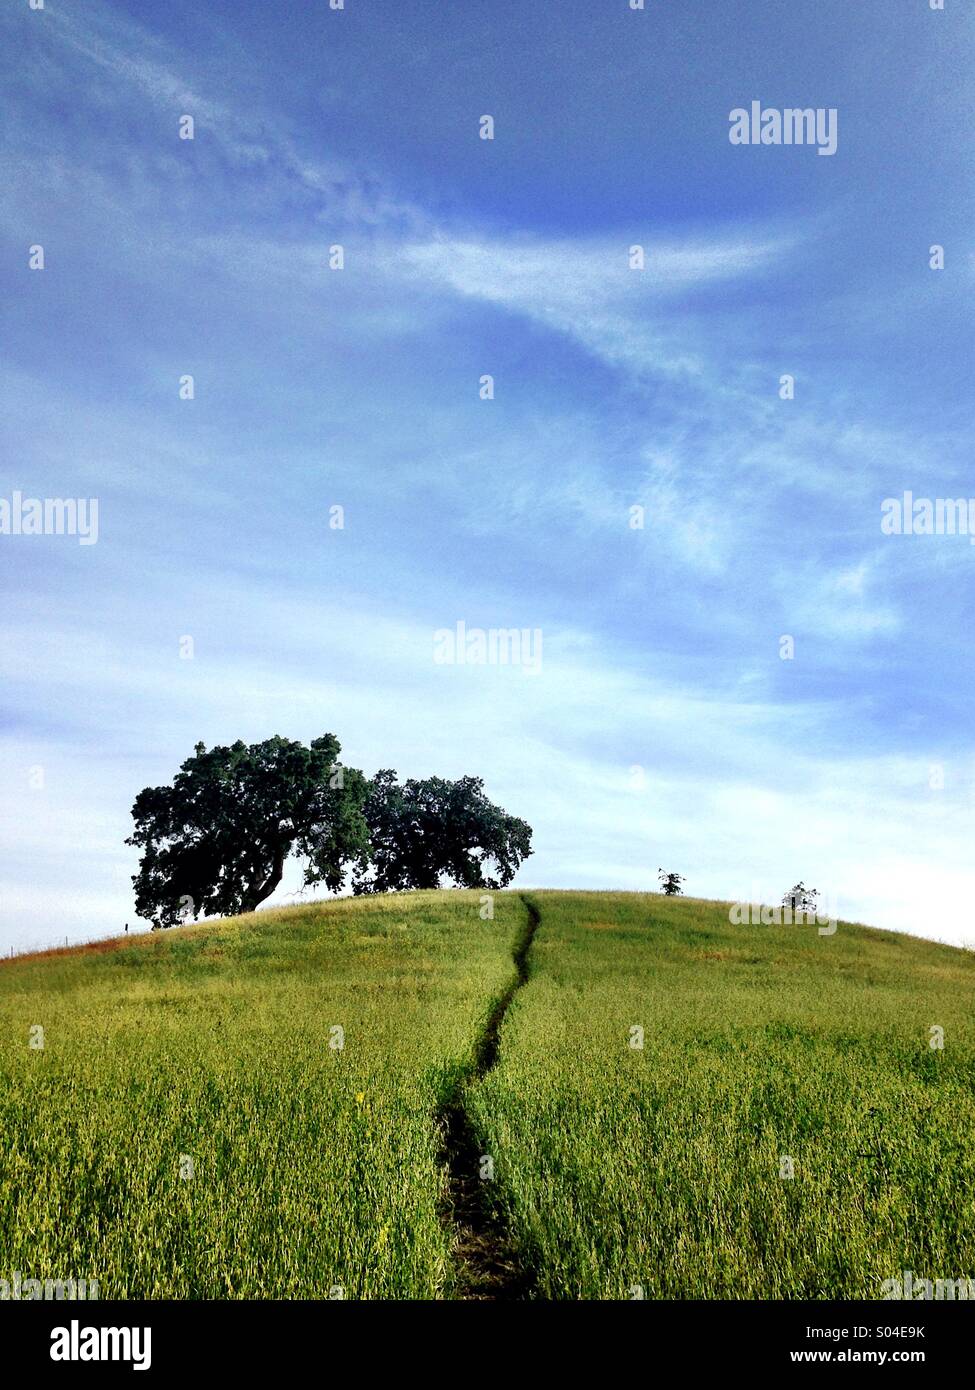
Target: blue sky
{"points": [[663, 728]]}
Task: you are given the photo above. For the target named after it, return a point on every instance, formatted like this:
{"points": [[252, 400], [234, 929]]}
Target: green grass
{"points": [[660, 1168], [615, 1167], [313, 1168]]}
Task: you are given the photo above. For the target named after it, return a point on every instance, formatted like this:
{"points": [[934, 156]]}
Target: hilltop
{"points": [[583, 1095]]}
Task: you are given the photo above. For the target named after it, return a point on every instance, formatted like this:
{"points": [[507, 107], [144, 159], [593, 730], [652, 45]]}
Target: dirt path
{"points": [[485, 1261]]}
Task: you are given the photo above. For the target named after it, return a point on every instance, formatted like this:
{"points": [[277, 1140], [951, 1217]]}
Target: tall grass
{"points": [[656, 1172], [207, 1050], [187, 1130]]}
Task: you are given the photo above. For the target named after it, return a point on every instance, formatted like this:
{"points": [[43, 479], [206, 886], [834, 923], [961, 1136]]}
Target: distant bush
{"points": [[800, 898], [670, 884]]}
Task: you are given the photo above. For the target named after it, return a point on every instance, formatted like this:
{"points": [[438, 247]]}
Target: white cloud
{"points": [[841, 604], [586, 290]]}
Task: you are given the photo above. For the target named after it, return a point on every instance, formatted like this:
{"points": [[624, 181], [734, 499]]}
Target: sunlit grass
{"points": [[658, 1169], [314, 1168]]}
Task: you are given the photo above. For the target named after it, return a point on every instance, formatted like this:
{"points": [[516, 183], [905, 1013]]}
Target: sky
{"points": [[756, 686]]}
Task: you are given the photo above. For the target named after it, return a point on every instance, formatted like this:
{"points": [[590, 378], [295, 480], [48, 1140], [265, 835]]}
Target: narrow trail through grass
{"points": [[487, 1267], [247, 1108], [699, 1109], [304, 1101]]}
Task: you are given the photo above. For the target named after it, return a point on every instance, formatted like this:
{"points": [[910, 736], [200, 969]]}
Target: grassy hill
{"points": [[394, 1098]]}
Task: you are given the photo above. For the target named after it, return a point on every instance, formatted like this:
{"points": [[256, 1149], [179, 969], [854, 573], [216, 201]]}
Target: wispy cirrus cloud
{"points": [[587, 290], [133, 74]]}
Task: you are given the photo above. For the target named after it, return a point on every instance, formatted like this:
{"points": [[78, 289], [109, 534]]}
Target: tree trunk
{"points": [[265, 889]]}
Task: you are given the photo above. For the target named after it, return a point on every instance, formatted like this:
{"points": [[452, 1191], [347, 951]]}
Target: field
{"points": [[192, 1129], [314, 1168], [658, 1169]]}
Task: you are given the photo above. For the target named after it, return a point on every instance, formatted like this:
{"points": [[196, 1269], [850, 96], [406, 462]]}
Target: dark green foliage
{"points": [[216, 841], [670, 884], [423, 831]]}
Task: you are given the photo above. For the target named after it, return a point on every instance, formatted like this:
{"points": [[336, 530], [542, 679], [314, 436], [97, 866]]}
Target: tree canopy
{"points": [[800, 898], [216, 841], [424, 830]]}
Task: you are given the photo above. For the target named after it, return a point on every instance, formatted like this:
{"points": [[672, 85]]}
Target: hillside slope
{"points": [[192, 1128], [786, 1130], [195, 1125]]}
